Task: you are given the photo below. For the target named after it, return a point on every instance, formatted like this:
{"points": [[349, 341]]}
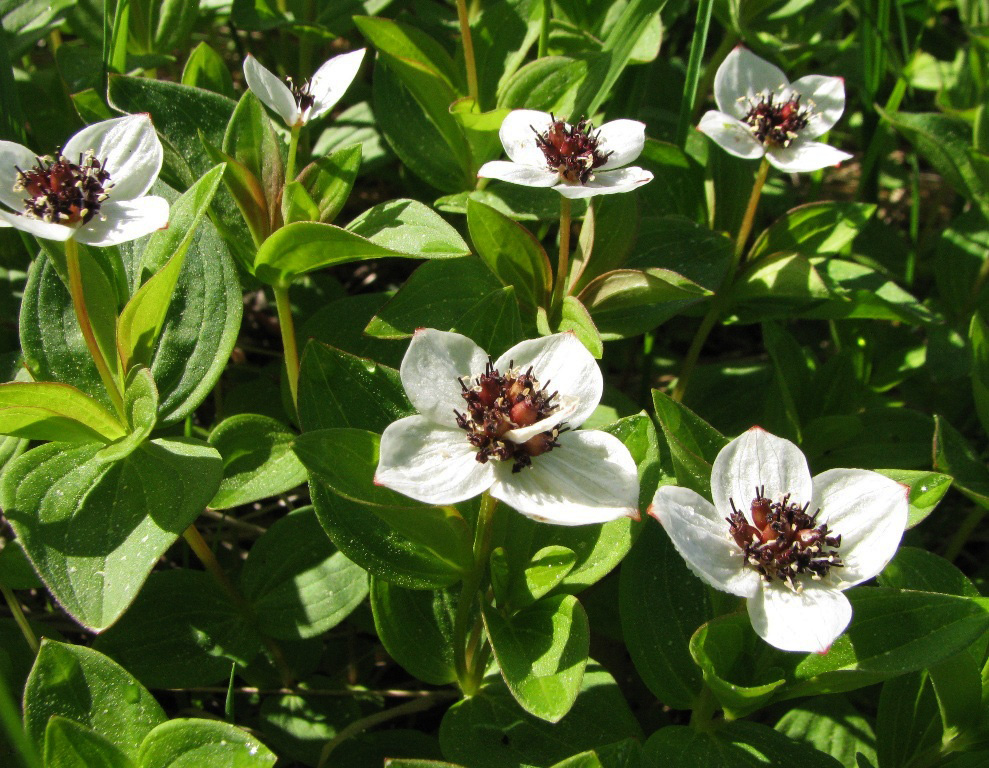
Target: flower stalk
{"points": [[293, 148], [563, 264], [20, 619], [82, 316], [284, 307], [468, 42], [466, 663]]}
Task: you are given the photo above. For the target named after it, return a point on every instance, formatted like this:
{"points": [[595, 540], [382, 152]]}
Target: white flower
{"points": [[507, 426], [298, 105], [576, 160], [93, 191], [760, 112], [832, 532]]}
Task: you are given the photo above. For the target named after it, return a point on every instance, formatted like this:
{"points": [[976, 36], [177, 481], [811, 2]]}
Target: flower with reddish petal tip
{"points": [[575, 160], [507, 426], [788, 542], [93, 191], [300, 104], [760, 112]]}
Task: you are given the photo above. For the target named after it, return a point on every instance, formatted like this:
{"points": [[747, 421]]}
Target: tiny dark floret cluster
{"points": [[63, 192], [783, 541], [777, 123], [498, 403], [572, 151], [302, 93]]}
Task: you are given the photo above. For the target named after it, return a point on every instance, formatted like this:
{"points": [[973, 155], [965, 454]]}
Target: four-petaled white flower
{"points": [[760, 112], [92, 191], [507, 426], [576, 160], [299, 104], [787, 542]]}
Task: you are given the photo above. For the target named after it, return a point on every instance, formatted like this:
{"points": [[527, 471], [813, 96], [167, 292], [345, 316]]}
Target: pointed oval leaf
{"points": [[50, 411]]}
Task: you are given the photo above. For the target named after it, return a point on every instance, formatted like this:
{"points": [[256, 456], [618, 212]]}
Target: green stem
{"points": [[697, 45], [468, 592], [704, 708], [962, 532], [82, 316], [284, 307], [468, 43], [21, 620], [293, 147], [205, 555], [721, 297], [563, 264], [977, 286], [544, 28]]}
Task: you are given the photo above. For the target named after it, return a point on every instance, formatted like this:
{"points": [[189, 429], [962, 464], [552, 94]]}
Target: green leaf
{"points": [[71, 745], [493, 323], [346, 459], [329, 179], [178, 112], [907, 719], [953, 455], [83, 685], [542, 651], [376, 546], [490, 730], [141, 408], [406, 42], [94, 528], [191, 742], [814, 228], [880, 643], [606, 236], [926, 491], [439, 294], [694, 444], [680, 190], [960, 253], [246, 192], [914, 568], [182, 631], [662, 605], [409, 228], [576, 318], [627, 302], [307, 245], [206, 69], [258, 461], [296, 581], [978, 336], [787, 276], [337, 389], [297, 727], [142, 319], [544, 572], [548, 84], [944, 141], [250, 140], [832, 726], [416, 628], [50, 411], [511, 252], [681, 252]]}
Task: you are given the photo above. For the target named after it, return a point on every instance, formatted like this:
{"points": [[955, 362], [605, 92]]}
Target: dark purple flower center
{"points": [[572, 150], [62, 192], [497, 403], [302, 94], [781, 541], [777, 122]]}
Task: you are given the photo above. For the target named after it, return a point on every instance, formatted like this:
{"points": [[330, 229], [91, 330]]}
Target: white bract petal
{"points": [[129, 148], [825, 98], [430, 463], [12, 157], [805, 156], [807, 621], [37, 227], [561, 364], [869, 511], [432, 369], [516, 173], [124, 221], [731, 134], [607, 183], [332, 80], [700, 534], [518, 134], [624, 139], [272, 92], [590, 478], [742, 77], [757, 459]]}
